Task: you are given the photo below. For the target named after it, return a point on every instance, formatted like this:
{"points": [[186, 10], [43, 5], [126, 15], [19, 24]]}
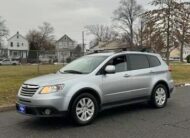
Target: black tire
{"points": [[155, 102], [73, 111]]}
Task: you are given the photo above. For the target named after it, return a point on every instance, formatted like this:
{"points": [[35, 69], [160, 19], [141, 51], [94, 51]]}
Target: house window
{"points": [[15, 53], [11, 44], [22, 44], [17, 36], [18, 45]]}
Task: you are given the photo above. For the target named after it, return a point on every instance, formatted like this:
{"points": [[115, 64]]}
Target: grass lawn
{"points": [[181, 73], [11, 77]]}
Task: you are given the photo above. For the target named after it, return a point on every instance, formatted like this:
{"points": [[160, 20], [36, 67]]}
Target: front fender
{"points": [[76, 88]]}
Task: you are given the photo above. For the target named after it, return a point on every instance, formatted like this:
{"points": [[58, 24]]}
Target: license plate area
{"points": [[22, 108]]}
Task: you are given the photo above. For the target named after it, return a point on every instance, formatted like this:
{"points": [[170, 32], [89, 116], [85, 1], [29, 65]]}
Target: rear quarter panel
{"points": [[162, 73]]}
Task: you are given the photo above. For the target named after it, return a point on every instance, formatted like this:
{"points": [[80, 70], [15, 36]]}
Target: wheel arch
{"points": [[163, 83], [86, 90]]}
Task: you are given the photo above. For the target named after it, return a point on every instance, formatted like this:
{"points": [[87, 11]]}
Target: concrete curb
{"points": [[12, 107], [182, 85], [7, 108]]}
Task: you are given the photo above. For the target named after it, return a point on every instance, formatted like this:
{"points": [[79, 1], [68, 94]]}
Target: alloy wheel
{"points": [[85, 109], [160, 96]]}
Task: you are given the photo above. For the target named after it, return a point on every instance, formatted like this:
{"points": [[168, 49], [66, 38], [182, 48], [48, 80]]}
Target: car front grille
{"points": [[28, 90]]}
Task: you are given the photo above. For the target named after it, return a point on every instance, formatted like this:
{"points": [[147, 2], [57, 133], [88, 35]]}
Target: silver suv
{"points": [[97, 82]]}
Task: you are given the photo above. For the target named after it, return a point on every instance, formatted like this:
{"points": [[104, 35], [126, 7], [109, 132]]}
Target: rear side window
{"points": [[154, 61], [137, 61]]}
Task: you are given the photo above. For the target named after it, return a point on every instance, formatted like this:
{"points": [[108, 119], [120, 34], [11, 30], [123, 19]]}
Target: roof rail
{"points": [[118, 50]]}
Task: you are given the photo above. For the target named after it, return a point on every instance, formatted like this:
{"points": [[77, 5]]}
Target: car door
{"points": [[140, 76], [116, 85]]}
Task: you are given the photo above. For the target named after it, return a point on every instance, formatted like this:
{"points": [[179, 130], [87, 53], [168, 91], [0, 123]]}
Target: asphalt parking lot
{"points": [[134, 121]]}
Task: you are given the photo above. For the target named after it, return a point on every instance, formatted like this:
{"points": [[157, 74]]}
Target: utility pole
{"points": [[141, 34], [83, 45]]}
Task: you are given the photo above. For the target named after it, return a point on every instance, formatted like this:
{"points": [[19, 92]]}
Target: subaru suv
{"points": [[97, 82]]}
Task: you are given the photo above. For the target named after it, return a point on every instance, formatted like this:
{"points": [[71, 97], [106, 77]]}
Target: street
{"points": [[134, 121]]}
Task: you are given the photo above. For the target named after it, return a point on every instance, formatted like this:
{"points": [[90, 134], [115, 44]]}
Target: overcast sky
{"points": [[66, 16]]}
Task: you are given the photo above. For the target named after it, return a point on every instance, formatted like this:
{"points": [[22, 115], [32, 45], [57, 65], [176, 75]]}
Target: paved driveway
{"points": [[136, 121]]}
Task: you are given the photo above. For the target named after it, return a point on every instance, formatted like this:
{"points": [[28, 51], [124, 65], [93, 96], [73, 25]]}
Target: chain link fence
{"points": [[39, 57]]}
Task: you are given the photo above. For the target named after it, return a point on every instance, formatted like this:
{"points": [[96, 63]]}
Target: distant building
{"points": [[64, 47], [175, 53], [17, 47], [109, 46], [116, 45]]}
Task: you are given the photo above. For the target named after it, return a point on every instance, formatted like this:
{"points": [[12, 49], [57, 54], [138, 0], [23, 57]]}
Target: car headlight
{"points": [[52, 89]]}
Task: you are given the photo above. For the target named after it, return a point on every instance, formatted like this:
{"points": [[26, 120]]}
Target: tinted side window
{"points": [[154, 61], [119, 62], [137, 61]]}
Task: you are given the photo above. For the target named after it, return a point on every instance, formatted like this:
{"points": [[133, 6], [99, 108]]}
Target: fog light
{"points": [[47, 111]]}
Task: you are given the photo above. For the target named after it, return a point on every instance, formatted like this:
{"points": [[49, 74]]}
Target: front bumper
{"points": [[37, 104], [40, 111]]}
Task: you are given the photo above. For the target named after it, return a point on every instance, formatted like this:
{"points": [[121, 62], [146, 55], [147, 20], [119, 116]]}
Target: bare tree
{"points": [[183, 34], [101, 32], [168, 20], [33, 38], [4, 32], [41, 39], [164, 23], [139, 34], [126, 15], [149, 37], [46, 31]]}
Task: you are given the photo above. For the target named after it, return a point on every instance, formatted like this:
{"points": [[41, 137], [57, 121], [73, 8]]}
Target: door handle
{"points": [[151, 72], [126, 75]]}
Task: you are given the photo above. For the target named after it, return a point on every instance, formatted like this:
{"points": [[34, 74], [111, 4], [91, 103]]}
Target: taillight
{"points": [[170, 68]]}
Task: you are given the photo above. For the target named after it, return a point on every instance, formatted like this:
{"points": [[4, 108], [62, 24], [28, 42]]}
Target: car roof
{"points": [[123, 52], [137, 52], [103, 54]]}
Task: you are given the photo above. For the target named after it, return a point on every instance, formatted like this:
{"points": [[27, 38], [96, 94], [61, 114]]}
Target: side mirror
{"points": [[110, 69]]}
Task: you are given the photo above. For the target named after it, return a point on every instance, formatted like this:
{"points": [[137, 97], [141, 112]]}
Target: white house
{"points": [[17, 47], [186, 52], [64, 48], [175, 53]]}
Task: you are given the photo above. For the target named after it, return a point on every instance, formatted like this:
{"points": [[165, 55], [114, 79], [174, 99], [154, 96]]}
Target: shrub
{"points": [[68, 60], [188, 59]]}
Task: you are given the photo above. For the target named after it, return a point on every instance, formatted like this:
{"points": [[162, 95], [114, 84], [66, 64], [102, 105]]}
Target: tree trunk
{"points": [[181, 52], [182, 44], [131, 32], [150, 38], [168, 38], [141, 33]]}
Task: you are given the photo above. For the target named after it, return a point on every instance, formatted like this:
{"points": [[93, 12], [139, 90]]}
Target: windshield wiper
{"points": [[73, 71]]}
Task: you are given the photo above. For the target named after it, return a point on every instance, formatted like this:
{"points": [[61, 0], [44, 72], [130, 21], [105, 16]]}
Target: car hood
{"points": [[52, 79]]}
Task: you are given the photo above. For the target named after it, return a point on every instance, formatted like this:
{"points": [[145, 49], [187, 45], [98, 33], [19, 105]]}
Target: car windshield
{"points": [[84, 65]]}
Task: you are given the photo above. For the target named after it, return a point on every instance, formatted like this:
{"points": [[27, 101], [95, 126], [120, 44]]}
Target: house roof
{"points": [[16, 35], [65, 37]]}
